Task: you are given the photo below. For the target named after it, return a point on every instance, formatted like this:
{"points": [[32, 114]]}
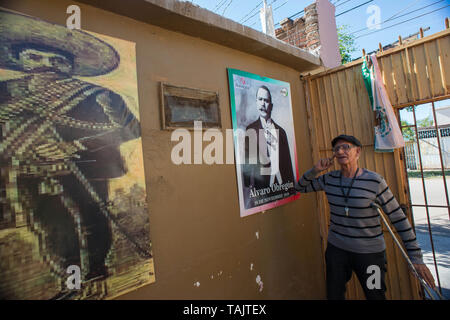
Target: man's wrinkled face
{"points": [[33, 60], [264, 103], [346, 152]]}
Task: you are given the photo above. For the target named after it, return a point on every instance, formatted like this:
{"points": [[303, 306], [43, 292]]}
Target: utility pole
{"points": [[266, 16]]}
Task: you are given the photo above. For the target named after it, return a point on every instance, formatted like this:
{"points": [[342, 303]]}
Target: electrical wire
{"points": [[219, 4], [258, 12], [419, 16], [276, 24], [341, 3], [251, 11], [392, 18], [229, 3], [351, 9], [407, 7]]}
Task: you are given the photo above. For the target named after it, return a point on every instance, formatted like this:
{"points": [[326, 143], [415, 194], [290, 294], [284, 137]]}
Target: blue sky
{"points": [[355, 20]]}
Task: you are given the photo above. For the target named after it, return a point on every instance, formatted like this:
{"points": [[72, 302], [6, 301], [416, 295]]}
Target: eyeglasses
{"points": [[345, 147]]}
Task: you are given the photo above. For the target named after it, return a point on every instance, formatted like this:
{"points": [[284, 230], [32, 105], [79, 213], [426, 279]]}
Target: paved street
{"points": [[440, 227]]}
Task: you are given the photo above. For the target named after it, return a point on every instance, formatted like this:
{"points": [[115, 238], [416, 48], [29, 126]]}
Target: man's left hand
{"points": [[425, 273]]}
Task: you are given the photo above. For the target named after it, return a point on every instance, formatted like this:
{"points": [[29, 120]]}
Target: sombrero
{"points": [[91, 56]]}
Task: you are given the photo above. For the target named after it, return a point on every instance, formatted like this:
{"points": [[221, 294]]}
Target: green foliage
{"points": [[346, 43], [424, 123], [408, 132]]}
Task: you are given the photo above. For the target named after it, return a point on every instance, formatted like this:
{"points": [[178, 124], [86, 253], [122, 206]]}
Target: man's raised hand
{"points": [[324, 164]]}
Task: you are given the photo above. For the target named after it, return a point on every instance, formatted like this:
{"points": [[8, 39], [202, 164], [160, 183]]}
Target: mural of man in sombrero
{"points": [[59, 140]]}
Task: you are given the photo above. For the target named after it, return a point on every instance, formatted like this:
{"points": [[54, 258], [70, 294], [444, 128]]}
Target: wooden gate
{"points": [[338, 103]]}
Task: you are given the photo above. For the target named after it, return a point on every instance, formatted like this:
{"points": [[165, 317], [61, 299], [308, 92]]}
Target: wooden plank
{"points": [[422, 101], [391, 277], [310, 119], [388, 79], [434, 70], [421, 72], [358, 127], [444, 62], [342, 85], [354, 290], [325, 112], [331, 111], [399, 75], [413, 74], [312, 124], [392, 266], [316, 112], [403, 279], [410, 89], [403, 197], [319, 115], [335, 94]]}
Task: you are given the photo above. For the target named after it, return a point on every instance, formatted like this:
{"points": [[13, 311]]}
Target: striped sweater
{"points": [[360, 231]]}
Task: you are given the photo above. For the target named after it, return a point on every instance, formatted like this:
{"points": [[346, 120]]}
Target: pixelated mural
{"points": [[72, 179]]}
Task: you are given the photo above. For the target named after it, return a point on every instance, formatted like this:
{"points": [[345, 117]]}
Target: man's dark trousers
{"points": [[340, 264]]}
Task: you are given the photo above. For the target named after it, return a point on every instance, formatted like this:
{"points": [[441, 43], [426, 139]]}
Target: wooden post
{"points": [[364, 55], [421, 32], [380, 47], [446, 23], [400, 42]]}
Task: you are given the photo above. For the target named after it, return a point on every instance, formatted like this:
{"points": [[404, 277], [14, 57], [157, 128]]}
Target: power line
{"points": [[419, 16], [250, 17], [251, 11], [405, 14], [258, 12], [274, 11], [341, 3], [219, 4], [294, 15], [229, 3], [281, 5], [407, 7], [351, 9]]}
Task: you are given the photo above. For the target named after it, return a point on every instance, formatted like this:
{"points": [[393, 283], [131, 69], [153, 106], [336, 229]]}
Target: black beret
{"points": [[347, 138]]}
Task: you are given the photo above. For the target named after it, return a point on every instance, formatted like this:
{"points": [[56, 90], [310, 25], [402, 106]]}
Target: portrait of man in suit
{"points": [[267, 158]]}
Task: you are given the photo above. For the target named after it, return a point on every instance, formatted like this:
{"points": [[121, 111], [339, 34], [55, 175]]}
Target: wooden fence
{"points": [[338, 103]]}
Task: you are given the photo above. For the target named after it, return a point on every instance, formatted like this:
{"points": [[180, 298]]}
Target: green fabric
{"points": [[367, 73], [381, 115]]}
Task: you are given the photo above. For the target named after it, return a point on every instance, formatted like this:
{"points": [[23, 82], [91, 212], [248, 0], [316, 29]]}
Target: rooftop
{"points": [[189, 19]]}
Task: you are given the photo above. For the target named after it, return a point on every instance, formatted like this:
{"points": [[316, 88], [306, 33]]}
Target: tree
{"points": [[346, 43], [408, 132], [426, 122]]}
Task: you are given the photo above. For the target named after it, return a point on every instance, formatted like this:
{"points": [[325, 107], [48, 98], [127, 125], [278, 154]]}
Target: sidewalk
{"points": [[440, 227]]}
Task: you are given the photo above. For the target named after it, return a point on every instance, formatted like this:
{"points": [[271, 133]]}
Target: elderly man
{"points": [[273, 160], [355, 238]]}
